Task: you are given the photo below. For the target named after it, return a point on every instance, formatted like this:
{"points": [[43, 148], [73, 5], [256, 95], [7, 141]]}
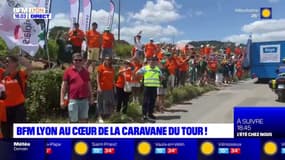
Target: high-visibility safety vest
{"points": [[151, 77]]}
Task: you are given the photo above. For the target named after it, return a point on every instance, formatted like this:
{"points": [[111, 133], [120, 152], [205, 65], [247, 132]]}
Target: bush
{"points": [[43, 98], [43, 94], [123, 50]]}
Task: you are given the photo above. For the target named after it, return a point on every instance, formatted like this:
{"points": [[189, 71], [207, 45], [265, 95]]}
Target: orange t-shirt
{"points": [[160, 55], [108, 40], [124, 75], [228, 51], [239, 64], [107, 75], [207, 50], [150, 50], [213, 65], [202, 51], [76, 40], [14, 92], [93, 39], [171, 65], [183, 64], [137, 78], [237, 51]]}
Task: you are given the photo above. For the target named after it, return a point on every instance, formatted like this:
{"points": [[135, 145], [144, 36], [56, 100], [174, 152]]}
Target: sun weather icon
{"points": [[265, 13], [270, 148], [144, 148], [207, 148], [81, 148]]}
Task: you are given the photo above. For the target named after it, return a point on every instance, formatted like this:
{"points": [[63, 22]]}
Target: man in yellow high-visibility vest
{"points": [[151, 81]]}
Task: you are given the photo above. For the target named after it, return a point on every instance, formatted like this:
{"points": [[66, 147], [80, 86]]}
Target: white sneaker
{"points": [[100, 120]]}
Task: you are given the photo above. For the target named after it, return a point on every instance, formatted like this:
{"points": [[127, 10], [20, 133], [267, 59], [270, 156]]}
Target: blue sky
{"points": [[181, 20]]}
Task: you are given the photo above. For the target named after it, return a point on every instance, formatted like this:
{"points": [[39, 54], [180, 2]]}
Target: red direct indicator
{"points": [[234, 150], [109, 150], [172, 151], [48, 151]]}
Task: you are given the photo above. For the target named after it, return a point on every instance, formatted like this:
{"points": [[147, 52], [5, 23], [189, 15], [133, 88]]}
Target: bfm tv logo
{"points": [[31, 13]]}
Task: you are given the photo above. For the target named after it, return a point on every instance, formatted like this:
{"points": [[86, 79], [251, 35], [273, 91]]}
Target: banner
{"points": [[47, 5], [44, 27], [111, 14], [21, 33], [74, 11], [86, 17]]}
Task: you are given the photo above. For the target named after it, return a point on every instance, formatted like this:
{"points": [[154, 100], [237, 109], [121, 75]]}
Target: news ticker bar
{"points": [[30, 130], [32, 15]]}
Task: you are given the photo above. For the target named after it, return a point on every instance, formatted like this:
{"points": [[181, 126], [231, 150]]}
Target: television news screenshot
{"points": [[142, 80]]}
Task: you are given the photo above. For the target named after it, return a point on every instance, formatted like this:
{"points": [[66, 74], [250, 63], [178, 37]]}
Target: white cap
{"points": [[202, 45], [107, 28], [151, 39], [208, 45]]}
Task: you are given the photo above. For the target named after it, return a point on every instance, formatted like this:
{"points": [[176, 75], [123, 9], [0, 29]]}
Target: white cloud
{"points": [[273, 1], [263, 26], [183, 41], [166, 39], [60, 19], [99, 16], [199, 13], [269, 30], [157, 12]]}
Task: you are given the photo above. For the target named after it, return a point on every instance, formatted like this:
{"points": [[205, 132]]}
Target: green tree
{"points": [[3, 48], [53, 32]]}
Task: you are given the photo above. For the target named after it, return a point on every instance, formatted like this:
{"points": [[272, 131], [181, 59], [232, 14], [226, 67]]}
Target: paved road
{"points": [[217, 106]]}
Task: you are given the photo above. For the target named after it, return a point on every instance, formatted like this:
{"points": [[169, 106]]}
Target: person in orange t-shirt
{"points": [[108, 43], [228, 51], [238, 51], [136, 81], [160, 55], [239, 71], [183, 67], [207, 50], [125, 75], [15, 82], [94, 41], [105, 88], [171, 65], [76, 37], [150, 49], [213, 67]]}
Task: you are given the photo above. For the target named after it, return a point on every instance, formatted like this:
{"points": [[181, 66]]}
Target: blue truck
{"points": [[265, 58]]}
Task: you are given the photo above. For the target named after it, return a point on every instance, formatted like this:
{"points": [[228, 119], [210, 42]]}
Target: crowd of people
{"points": [[152, 72]]}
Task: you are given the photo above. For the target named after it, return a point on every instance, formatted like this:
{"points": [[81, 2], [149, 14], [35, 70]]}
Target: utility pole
{"points": [[119, 23]]}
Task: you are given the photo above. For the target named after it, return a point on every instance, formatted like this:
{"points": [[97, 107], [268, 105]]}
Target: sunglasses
{"points": [[77, 60]]}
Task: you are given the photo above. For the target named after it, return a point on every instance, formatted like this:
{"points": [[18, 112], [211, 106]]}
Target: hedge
{"points": [[43, 102]]}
